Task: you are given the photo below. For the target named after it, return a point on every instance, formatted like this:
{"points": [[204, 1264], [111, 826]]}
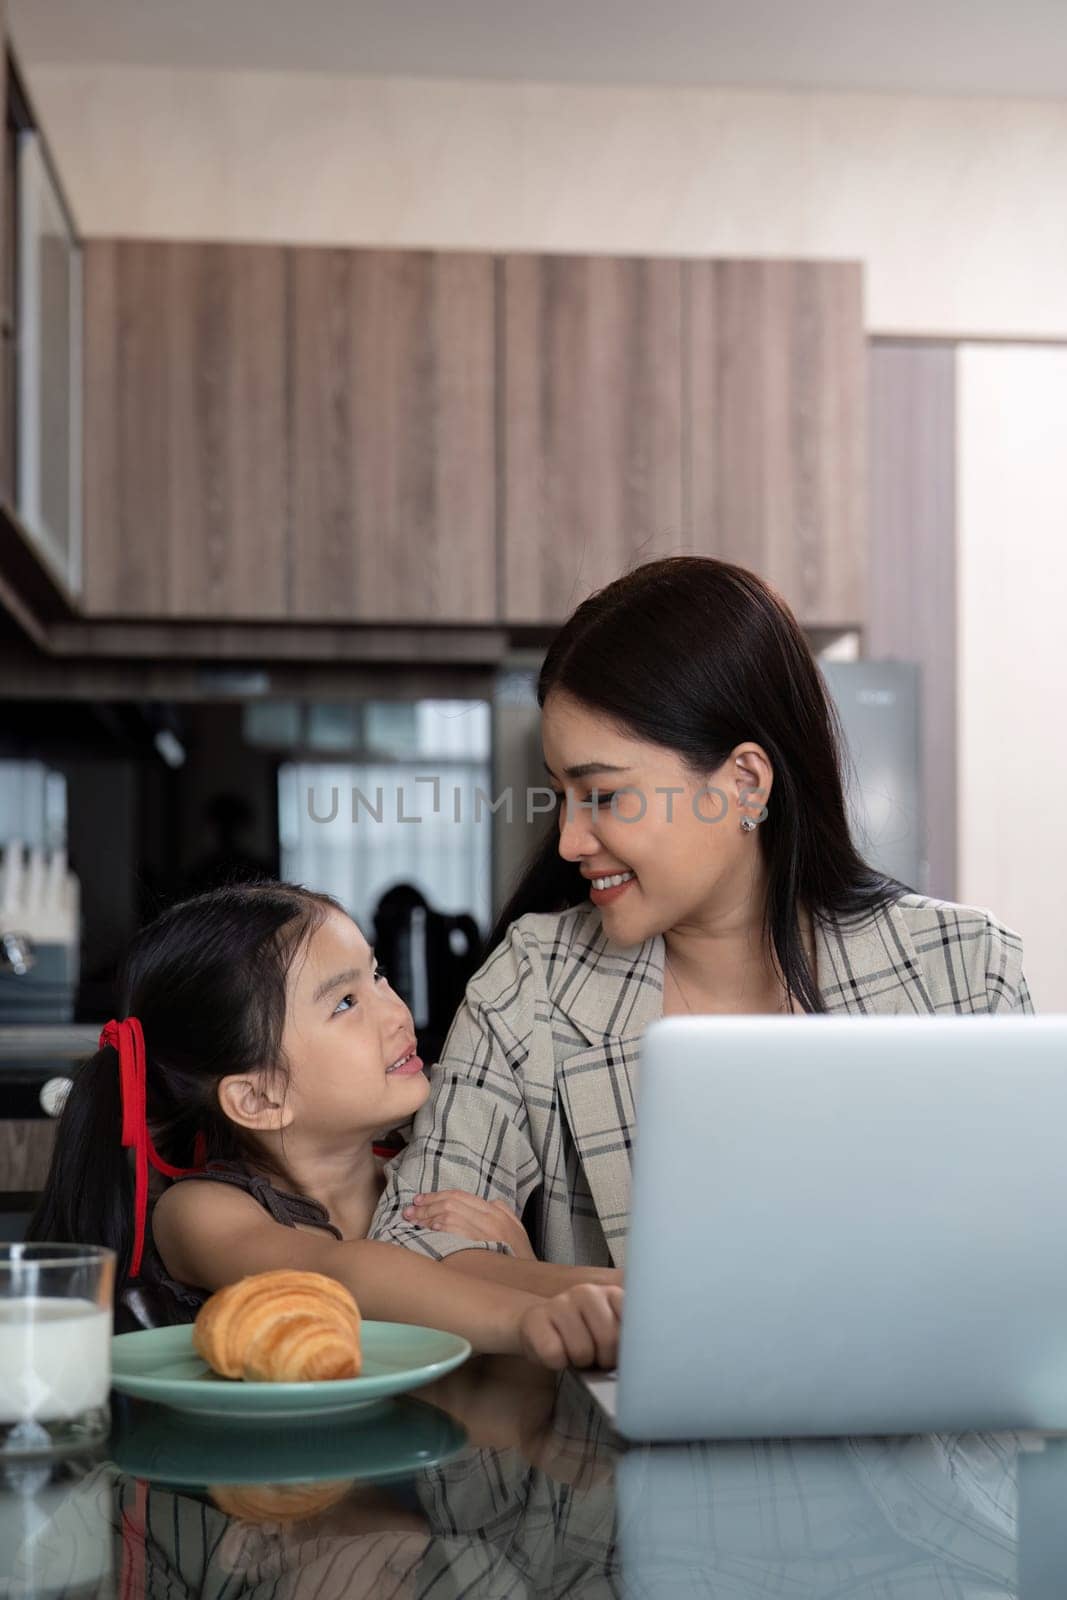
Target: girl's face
{"points": [[349, 1039], [677, 838]]}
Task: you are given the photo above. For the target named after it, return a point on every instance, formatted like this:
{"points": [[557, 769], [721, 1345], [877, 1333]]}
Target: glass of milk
{"points": [[55, 1346]]}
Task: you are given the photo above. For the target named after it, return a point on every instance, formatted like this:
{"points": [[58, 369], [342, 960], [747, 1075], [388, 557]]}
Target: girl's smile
{"points": [[407, 1064]]}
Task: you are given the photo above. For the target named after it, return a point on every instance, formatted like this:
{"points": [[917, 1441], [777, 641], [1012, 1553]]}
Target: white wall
{"points": [[1012, 510], [955, 205]]}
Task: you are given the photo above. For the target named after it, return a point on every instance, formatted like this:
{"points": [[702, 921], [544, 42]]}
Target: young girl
{"points": [[261, 1053]]}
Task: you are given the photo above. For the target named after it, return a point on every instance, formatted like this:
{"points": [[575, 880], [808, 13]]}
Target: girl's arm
{"points": [[210, 1236], [544, 1278]]}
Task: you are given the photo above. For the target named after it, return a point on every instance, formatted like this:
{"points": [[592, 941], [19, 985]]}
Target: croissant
{"points": [[281, 1327], [292, 1502]]}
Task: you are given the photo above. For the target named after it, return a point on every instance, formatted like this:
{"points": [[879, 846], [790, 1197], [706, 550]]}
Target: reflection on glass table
{"points": [[920, 1517], [502, 1481]]}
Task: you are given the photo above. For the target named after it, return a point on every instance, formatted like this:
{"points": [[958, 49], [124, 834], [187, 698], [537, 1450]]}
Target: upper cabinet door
{"points": [[776, 423], [393, 498], [422, 436], [185, 430], [275, 433], [708, 407], [591, 381]]}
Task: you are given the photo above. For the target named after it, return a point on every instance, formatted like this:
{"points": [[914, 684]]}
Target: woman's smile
{"points": [[612, 889]]}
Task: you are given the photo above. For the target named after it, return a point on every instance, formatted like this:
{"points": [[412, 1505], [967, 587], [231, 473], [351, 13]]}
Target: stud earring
{"points": [[748, 823]]}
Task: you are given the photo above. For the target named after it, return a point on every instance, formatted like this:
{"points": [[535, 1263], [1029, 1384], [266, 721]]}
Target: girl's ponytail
{"points": [[82, 1165], [88, 1194]]}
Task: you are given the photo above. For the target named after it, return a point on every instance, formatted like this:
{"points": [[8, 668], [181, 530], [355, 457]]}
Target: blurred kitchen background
{"points": [[344, 348]]}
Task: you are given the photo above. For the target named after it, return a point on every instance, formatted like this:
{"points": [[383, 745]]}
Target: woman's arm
{"points": [[458, 1213], [211, 1238], [1005, 984]]}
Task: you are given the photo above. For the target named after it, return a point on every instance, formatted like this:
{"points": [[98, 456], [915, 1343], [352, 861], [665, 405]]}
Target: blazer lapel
{"points": [[608, 994]]}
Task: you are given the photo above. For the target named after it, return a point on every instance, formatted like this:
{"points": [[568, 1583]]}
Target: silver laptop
{"points": [[846, 1225]]}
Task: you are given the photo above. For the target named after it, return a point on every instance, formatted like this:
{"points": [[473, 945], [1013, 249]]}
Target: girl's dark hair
{"points": [[207, 982], [698, 655]]}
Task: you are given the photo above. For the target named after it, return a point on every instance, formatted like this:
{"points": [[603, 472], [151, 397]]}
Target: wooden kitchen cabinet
{"points": [[433, 437], [185, 430], [40, 366], [776, 424], [297, 434], [591, 394], [705, 407], [26, 1153], [393, 446]]}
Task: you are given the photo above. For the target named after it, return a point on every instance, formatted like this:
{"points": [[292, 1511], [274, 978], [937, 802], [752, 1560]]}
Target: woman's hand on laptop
{"points": [[455, 1211], [579, 1328]]}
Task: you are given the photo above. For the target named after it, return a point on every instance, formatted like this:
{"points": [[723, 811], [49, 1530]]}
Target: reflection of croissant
{"points": [[267, 1502], [281, 1327]]}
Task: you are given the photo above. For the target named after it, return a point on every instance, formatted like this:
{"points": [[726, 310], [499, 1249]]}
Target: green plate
{"points": [[385, 1442], [160, 1364]]}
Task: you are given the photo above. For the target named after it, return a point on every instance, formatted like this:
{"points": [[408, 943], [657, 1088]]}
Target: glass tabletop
{"points": [[502, 1480]]}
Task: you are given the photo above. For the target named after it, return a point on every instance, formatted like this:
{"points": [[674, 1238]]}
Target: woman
{"points": [[701, 861]]}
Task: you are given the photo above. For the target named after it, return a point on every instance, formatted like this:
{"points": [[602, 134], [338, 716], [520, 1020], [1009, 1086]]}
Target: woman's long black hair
{"points": [[207, 982], [698, 655]]}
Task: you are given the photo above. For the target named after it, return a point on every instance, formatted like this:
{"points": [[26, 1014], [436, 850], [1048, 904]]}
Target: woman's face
{"points": [[678, 838], [345, 1032]]}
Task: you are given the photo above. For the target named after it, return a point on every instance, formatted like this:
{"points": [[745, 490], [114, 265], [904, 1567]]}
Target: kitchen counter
{"points": [[59, 1042], [31, 1053]]}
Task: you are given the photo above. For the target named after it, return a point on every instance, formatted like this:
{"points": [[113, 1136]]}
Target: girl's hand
{"points": [[455, 1211], [579, 1328]]}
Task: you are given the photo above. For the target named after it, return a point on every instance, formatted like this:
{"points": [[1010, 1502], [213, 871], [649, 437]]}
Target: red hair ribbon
{"points": [[128, 1039], [134, 1554]]}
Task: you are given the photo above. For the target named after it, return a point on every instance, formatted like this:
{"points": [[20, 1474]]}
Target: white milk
{"points": [[55, 1358]]}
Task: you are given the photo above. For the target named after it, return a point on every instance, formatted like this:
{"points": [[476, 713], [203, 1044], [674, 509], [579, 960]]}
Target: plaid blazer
{"points": [[533, 1098]]}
